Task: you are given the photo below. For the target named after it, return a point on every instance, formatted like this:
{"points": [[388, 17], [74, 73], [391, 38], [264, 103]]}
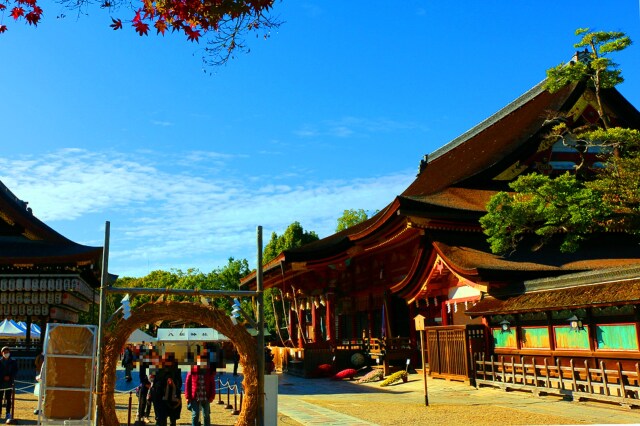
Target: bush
{"points": [[372, 376], [398, 375]]}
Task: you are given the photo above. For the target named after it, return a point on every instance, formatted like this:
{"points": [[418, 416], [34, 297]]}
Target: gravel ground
{"points": [[380, 413], [450, 414], [403, 404]]}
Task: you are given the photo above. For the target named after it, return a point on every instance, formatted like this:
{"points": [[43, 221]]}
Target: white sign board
{"points": [[189, 335]]}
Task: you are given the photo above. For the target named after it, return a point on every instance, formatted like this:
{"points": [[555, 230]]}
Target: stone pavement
{"points": [[297, 396]]}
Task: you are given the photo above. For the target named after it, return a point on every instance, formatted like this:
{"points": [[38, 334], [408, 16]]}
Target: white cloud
{"points": [[163, 217], [354, 126], [161, 123]]}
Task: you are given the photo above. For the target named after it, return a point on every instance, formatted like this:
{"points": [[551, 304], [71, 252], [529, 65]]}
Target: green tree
{"points": [[294, 236], [592, 64], [350, 218], [575, 206]]}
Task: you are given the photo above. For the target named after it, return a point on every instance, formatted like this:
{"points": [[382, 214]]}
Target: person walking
{"points": [[200, 391], [8, 371], [236, 360], [127, 363], [39, 364]]}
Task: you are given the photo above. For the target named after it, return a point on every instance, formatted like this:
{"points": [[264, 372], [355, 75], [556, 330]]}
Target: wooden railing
{"points": [[573, 381], [350, 345], [387, 345]]}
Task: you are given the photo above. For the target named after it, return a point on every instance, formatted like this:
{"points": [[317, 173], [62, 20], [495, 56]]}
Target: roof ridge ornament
{"points": [[583, 56], [423, 163]]}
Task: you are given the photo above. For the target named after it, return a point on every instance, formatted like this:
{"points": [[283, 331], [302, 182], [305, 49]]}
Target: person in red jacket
{"points": [[200, 391]]}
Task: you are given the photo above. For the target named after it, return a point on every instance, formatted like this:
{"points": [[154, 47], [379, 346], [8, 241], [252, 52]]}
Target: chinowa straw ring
{"points": [[149, 313]]}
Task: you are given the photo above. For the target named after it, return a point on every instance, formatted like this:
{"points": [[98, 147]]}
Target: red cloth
{"points": [[191, 384]]}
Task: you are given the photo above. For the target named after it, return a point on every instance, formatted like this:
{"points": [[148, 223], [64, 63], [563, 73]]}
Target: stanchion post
{"points": [[220, 392], [129, 413], [235, 411], [13, 404], [229, 406]]}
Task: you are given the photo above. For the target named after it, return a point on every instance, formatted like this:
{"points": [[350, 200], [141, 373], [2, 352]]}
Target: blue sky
{"points": [[334, 111]]}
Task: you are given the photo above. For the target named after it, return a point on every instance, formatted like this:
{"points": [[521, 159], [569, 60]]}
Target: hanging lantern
{"points": [[506, 326], [575, 323]]}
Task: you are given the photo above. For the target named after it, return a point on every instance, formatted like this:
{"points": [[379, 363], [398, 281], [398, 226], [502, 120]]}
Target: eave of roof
{"points": [[17, 211], [625, 291], [22, 251], [470, 252]]}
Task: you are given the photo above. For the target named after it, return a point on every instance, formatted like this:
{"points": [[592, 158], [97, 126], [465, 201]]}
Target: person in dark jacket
{"points": [[8, 371], [200, 391], [166, 391], [127, 363], [142, 392]]}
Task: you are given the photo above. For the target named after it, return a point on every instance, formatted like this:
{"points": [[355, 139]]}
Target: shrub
{"points": [[371, 376], [398, 375]]}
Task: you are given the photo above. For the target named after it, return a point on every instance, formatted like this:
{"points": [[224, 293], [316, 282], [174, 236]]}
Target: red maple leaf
{"points": [[192, 35], [17, 12], [2, 7], [32, 18], [176, 25], [141, 28], [161, 26], [117, 24], [3, 28]]}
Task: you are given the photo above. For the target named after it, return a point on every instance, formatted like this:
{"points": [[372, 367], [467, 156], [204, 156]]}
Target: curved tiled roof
{"points": [[469, 253], [26, 239], [594, 288]]}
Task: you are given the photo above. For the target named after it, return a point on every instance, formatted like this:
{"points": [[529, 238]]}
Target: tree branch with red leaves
{"points": [[223, 23]]}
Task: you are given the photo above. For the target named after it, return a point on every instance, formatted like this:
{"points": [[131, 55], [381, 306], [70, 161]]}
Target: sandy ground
{"points": [[403, 404], [380, 413]]}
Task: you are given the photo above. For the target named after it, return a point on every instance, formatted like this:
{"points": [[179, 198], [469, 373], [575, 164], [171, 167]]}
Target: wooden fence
{"points": [[573, 381]]}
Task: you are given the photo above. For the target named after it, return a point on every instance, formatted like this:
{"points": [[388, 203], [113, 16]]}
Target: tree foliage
{"points": [[294, 236], [223, 22], [545, 207], [350, 218], [223, 278], [592, 64], [574, 206]]}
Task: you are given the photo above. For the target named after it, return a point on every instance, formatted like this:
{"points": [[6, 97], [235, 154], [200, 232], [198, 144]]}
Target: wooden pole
{"points": [[103, 306], [260, 337], [424, 368]]}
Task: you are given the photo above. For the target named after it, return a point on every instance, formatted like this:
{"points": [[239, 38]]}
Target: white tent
{"points": [[9, 329], [139, 336], [35, 330]]}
